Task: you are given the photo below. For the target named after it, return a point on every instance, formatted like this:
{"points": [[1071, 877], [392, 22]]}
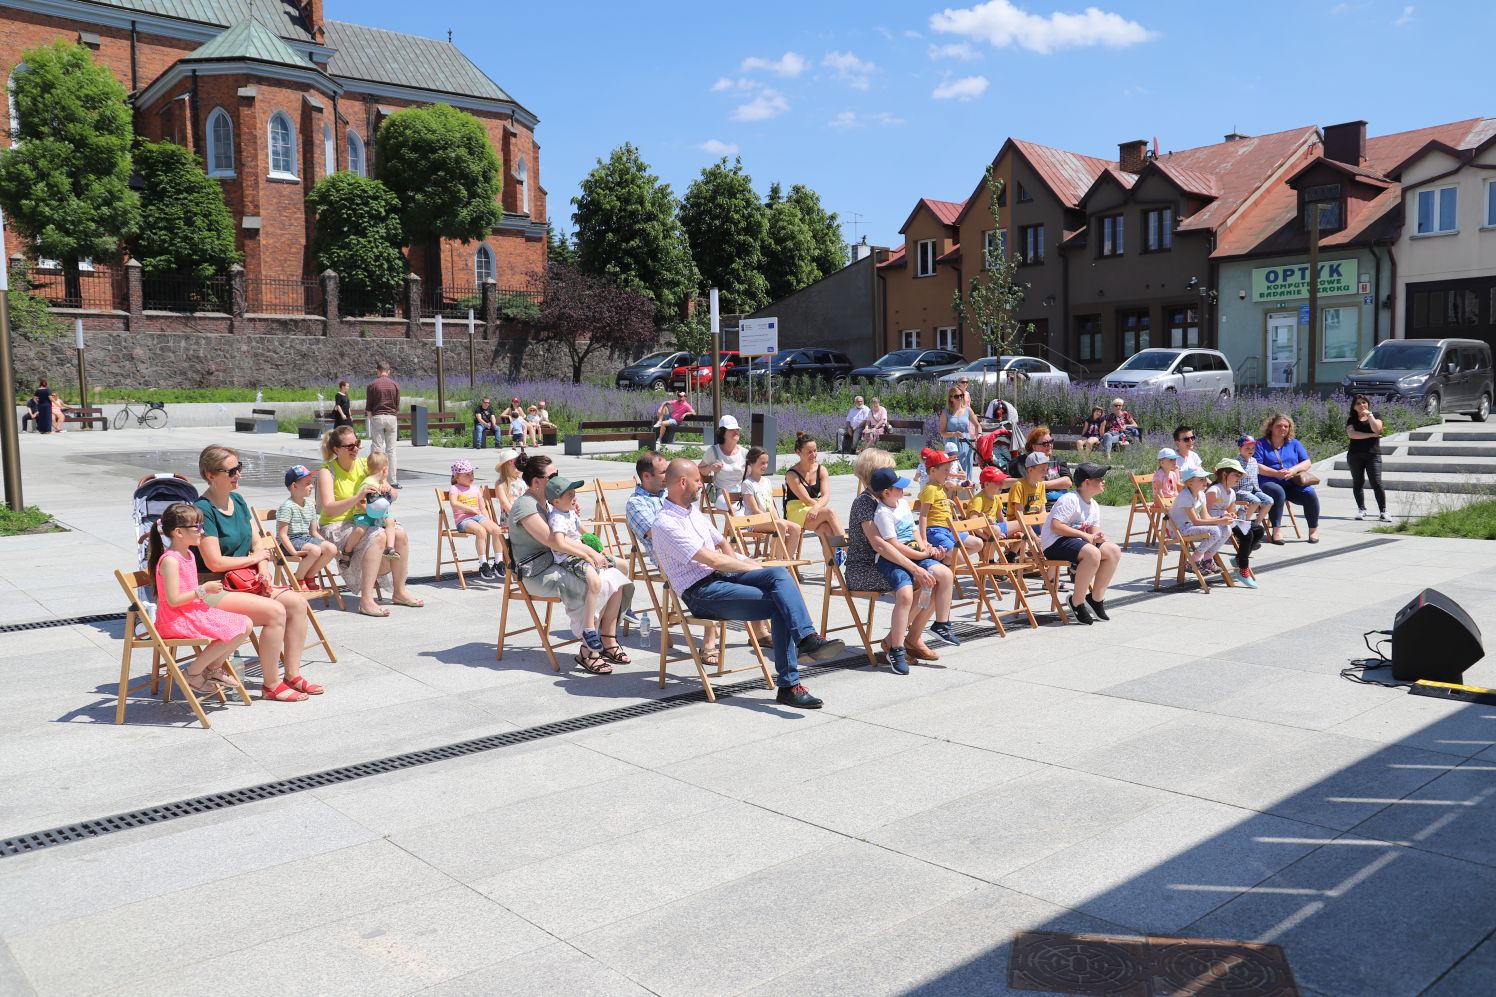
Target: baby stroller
{"points": [[153, 494]]}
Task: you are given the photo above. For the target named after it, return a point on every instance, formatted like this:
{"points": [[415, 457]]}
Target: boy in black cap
{"points": [[1072, 532]]}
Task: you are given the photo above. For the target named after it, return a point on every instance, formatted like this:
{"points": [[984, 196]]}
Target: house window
{"points": [[522, 183], [1111, 235], [1340, 333], [1183, 327], [945, 338], [282, 147], [909, 339], [1088, 338], [220, 144], [994, 241], [483, 269], [1024, 196], [1158, 230], [356, 153], [329, 152], [1491, 202], [1031, 243], [1331, 215], [1132, 329], [1437, 209], [925, 258]]}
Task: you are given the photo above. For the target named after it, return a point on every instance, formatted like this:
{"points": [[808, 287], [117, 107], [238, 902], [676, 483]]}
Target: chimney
{"points": [[1346, 143], [311, 12], [1235, 136], [1132, 155]]}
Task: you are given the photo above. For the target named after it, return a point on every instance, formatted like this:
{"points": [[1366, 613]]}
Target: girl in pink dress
{"points": [[184, 609]]}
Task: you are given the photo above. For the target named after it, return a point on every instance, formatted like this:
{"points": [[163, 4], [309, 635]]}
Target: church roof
{"points": [[249, 39]]}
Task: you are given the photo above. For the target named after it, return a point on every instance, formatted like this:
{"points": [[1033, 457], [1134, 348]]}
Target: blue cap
{"points": [[295, 473], [1167, 453], [885, 478], [1191, 473]]}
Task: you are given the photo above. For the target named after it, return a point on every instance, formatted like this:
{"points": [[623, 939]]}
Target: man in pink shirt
{"points": [[670, 415]]}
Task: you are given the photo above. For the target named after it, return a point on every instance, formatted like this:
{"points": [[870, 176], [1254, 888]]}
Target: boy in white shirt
{"points": [[1072, 532]]}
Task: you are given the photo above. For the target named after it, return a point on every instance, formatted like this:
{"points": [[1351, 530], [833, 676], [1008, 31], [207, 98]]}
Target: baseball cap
{"points": [[1035, 459], [462, 466], [1089, 471], [950, 447], [295, 473], [1242, 441], [558, 486], [1230, 465], [993, 474], [729, 422], [885, 478], [1167, 453], [504, 456], [1191, 473], [935, 458]]}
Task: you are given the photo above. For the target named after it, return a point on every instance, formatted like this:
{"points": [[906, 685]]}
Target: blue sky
{"points": [[875, 104]]}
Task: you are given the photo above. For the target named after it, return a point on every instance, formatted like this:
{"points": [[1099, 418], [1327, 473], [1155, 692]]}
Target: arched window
{"points": [[15, 116], [355, 153], [483, 264], [220, 144], [329, 152], [282, 147], [522, 177]]}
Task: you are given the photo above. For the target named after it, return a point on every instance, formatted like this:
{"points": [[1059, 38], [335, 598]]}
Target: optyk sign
{"points": [[1291, 280]]}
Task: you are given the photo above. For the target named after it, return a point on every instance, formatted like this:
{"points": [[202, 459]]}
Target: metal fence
{"points": [[282, 296], [354, 303], [179, 292], [451, 301], [100, 287]]}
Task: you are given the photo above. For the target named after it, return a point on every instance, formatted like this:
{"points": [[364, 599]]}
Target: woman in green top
{"points": [[229, 542], [338, 497]]}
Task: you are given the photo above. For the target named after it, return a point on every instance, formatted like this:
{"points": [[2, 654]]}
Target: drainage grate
{"points": [[1150, 966]]}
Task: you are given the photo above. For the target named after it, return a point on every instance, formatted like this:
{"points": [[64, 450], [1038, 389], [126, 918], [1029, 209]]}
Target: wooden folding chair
{"points": [[447, 533], [642, 569], [1142, 505], [606, 518], [1293, 520], [1170, 536], [836, 584], [760, 536], [325, 587], [514, 590], [984, 573], [140, 632], [676, 616], [1033, 560]]}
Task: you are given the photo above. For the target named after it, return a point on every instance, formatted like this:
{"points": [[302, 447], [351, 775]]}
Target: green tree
{"points": [[443, 170], [825, 229], [991, 300], [789, 248], [558, 248], [725, 224], [627, 230], [66, 184], [30, 315], [694, 332], [358, 236], [185, 226]]}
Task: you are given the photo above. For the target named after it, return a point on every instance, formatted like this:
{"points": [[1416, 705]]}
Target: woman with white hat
{"points": [[510, 485], [727, 462]]}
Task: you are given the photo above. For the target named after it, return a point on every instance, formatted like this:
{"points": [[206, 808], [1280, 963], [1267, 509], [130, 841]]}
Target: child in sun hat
{"points": [[1250, 487], [904, 562], [1166, 479], [1221, 499], [1191, 519], [468, 516]]}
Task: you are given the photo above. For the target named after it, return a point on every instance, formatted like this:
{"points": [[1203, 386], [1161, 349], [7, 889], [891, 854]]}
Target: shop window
{"points": [[1158, 230], [1462, 308], [220, 144], [1111, 236], [1437, 211], [1132, 331], [925, 258], [1340, 333], [1031, 243], [1088, 338]]}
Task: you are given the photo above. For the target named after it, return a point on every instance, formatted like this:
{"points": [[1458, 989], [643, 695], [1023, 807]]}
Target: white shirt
{"points": [[763, 494], [730, 478], [1179, 510], [1192, 459], [1071, 510], [857, 415]]}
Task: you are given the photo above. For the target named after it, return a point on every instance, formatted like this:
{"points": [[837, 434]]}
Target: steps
{"points": [[1455, 458]]}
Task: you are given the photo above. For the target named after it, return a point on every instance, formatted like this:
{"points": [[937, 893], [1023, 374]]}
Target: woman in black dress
{"points": [[1364, 457], [43, 398]]}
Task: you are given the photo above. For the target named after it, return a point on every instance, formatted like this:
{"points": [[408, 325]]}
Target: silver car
{"points": [[1187, 372], [992, 371]]}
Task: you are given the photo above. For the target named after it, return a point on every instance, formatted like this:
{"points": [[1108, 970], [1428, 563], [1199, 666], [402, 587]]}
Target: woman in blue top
{"points": [[958, 424], [1279, 458]]}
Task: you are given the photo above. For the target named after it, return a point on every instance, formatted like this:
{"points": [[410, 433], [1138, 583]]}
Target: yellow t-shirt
{"points": [[937, 505], [1025, 498], [345, 484], [991, 506]]}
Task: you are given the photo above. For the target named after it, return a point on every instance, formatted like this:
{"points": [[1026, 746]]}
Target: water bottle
{"points": [[644, 627], [923, 602]]}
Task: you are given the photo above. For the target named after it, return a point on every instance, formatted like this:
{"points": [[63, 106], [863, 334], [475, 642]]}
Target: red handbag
{"points": [[248, 580]]}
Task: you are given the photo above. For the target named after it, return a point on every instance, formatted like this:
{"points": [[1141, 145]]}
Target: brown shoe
{"points": [[920, 651]]}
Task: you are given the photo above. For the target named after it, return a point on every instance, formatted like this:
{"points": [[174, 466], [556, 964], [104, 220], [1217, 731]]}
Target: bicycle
{"points": [[153, 416]]}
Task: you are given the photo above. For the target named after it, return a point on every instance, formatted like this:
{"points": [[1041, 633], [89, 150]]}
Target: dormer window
{"points": [[1329, 198]]}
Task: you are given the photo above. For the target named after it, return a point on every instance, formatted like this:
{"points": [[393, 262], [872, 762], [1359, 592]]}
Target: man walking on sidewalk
{"points": [[382, 405]]}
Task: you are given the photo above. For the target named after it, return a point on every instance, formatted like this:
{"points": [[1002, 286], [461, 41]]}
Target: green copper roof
{"points": [[250, 40], [380, 56], [283, 17]]}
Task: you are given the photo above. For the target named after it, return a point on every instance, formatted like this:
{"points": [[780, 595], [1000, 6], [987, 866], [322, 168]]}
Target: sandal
{"points": [[381, 614], [203, 686], [220, 675], [614, 652], [597, 666], [283, 693], [300, 684], [412, 603], [710, 658]]}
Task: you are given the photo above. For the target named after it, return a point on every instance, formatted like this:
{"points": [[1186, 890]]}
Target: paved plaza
{"points": [[1197, 767]]}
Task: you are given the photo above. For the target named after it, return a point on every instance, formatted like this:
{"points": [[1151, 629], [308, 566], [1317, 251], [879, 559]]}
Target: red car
{"points": [[700, 373]]}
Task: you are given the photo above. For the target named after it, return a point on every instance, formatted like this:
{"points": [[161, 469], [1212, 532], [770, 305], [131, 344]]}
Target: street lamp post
{"points": [[716, 361], [82, 371], [10, 437], [441, 371], [472, 369]]}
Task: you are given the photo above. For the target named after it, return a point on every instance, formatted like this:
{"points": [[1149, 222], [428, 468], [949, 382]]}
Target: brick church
{"points": [[273, 97]]}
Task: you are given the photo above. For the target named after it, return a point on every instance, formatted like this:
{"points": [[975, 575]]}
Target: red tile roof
{"points": [[1388, 153], [1068, 174], [1239, 168], [945, 212], [1191, 181], [895, 259]]}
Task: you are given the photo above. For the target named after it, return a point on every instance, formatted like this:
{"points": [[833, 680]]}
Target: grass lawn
{"points": [[182, 396], [28, 520], [1476, 521]]}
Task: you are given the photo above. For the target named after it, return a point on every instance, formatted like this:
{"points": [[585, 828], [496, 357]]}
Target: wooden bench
{"points": [[446, 421], [640, 431], [900, 434], [260, 420], [88, 415]]}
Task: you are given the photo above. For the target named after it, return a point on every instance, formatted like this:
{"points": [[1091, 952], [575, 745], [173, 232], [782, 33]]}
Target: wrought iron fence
{"points": [[100, 287], [185, 292], [521, 303], [355, 303], [451, 301], [283, 296]]}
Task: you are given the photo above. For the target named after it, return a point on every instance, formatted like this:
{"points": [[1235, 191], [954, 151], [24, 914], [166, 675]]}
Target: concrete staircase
{"points": [[1454, 458]]}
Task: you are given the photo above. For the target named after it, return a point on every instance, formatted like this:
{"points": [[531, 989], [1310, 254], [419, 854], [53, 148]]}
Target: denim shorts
{"points": [[480, 518], [1066, 549], [941, 536], [896, 576], [1261, 498], [304, 540]]}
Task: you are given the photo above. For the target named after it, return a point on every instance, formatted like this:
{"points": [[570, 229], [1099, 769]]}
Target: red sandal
{"points": [[283, 693], [300, 684]]}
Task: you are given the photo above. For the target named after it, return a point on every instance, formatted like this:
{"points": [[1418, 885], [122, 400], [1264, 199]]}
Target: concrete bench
{"points": [[260, 420]]}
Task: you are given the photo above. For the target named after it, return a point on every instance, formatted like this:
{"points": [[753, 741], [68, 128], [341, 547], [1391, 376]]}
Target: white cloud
{"points": [[1339, 8], [851, 119], [789, 64], [1001, 24], [966, 88], [1405, 18], [849, 69], [769, 103], [718, 148], [723, 83], [846, 119], [887, 35], [911, 33], [885, 118], [961, 51]]}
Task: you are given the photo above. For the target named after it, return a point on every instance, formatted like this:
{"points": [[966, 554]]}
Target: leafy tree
{"points": [[789, 248], [185, 226], [583, 313], [992, 297], [558, 247], [358, 236], [445, 174], [725, 223], [66, 184], [627, 230], [694, 332], [825, 229], [30, 315]]}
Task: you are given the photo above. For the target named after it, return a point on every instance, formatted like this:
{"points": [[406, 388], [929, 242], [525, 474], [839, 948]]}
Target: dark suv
{"points": [[827, 366], [910, 365], [1444, 375], [653, 371]]}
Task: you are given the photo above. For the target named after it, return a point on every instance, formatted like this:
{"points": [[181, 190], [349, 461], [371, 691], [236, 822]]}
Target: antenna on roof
{"points": [[856, 217], [449, 36]]}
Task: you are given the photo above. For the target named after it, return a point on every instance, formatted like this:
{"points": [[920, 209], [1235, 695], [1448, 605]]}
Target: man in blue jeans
{"points": [[716, 583]]}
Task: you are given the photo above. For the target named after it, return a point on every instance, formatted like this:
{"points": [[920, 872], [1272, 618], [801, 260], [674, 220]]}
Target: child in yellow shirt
{"points": [[935, 520], [1027, 495]]}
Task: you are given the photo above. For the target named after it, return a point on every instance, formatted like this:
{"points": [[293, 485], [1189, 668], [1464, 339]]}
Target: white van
{"points": [[1186, 372]]}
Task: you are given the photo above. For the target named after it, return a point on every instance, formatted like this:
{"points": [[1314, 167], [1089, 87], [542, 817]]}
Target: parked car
{"points": [[1446, 375], [829, 366], [1186, 371], [698, 372], [652, 372], [910, 365], [989, 372]]}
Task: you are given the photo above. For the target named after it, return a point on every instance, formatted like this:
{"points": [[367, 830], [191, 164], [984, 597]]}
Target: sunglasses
{"points": [[194, 527], [1186, 439], [1044, 443], [346, 446], [553, 474], [232, 472]]}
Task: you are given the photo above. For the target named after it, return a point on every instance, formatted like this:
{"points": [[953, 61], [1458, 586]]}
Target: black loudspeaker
{"points": [[1433, 638]]}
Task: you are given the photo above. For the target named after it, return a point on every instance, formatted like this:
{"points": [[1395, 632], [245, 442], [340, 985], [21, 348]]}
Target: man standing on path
{"points": [[382, 404], [716, 583]]}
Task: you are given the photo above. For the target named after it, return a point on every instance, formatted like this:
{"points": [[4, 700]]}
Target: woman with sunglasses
{"points": [[960, 424], [341, 486], [230, 541], [1056, 472]]}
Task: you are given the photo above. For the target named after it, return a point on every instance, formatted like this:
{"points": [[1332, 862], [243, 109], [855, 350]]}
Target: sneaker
{"points": [[816, 649], [631, 617], [1360, 513], [593, 640], [1383, 517], [1099, 608], [1082, 614], [396, 485], [897, 660], [945, 633], [797, 695], [1247, 578], [841, 557], [484, 571]]}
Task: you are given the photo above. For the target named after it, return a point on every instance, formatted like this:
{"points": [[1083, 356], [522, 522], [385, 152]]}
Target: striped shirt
{"points": [[678, 534]]}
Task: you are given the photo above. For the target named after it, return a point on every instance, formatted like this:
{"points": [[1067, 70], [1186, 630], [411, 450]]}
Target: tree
{"points": [[627, 230], [694, 332], [825, 230], [30, 315], [443, 170], [992, 297], [725, 225], [185, 226], [66, 184], [583, 313], [789, 248], [358, 236], [558, 248]]}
